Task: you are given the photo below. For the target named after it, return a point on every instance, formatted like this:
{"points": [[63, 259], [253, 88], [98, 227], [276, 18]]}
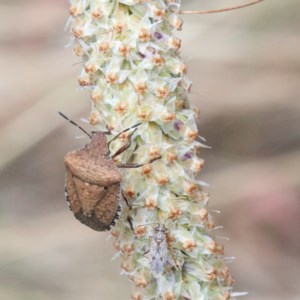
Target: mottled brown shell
{"points": [[93, 184]]}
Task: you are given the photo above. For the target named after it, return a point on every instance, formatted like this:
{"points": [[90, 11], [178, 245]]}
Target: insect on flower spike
{"points": [[212, 11], [138, 62]]}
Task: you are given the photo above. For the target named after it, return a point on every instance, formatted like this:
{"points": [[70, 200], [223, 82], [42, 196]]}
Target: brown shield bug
{"points": [[93, 180]]}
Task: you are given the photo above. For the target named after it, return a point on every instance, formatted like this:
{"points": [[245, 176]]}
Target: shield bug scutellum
{"points": [[93, 179]]}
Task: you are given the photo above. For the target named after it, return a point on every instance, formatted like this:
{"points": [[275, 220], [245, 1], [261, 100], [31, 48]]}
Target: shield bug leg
{"points": [[126, 200], [125, 130], [124, 147], [138, 165], [129, 219]]}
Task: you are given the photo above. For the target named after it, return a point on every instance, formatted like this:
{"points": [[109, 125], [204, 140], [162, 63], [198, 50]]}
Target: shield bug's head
{"points": [[98, 145]]}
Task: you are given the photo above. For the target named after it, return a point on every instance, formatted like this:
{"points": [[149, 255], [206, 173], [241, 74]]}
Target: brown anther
{"points": [[175, 43], [123, 137], [154, 152], [73, 10], [124, 50], [84, 81], [143, 116], [128, 249], [196, 111], [212, 246], [97, 14], [189, 245], [130, 192], [178, 22], [228, 281], [163, 180], [198, 165], [144, 35], [202, 196], [140, 231], [115, 233], [169, 296], [179, 104], [151, 203], [227, 296], [171, 156], [111, 126], [90, 68], [103, 47], [77, 32], [210, 225], [212, 274], [182, 69], [220, 249], [175, 213], [117, 246], [191, 188], [140, 88], [126, 266], [119, 27], [141, 282], [121, 107], [170, 237], [192, 134], [224, 272], [145, 170], [168, 117], [111, 77], [158, 13], [158, 60], [136, 296], [78, 50], [162, 92], [96, 96], [93, 119], [203, 214]]}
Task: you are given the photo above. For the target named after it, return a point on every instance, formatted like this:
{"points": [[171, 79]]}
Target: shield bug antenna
{"points": [[75, 124]]}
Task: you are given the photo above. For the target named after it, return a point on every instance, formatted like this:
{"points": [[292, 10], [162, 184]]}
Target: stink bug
{"points": [[93, 180]]}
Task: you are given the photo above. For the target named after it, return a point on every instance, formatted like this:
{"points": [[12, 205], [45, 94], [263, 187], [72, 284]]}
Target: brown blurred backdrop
{"points": [[245, 66]]}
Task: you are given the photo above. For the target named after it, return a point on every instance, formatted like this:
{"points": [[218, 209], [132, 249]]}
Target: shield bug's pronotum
{"points": [[93, 180]]}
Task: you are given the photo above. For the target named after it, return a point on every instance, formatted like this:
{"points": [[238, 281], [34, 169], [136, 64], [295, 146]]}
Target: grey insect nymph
{"points": [[158, 250]]}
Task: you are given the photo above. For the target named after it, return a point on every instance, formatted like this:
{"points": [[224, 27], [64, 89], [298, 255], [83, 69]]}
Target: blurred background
{"points": [[245, 67]]}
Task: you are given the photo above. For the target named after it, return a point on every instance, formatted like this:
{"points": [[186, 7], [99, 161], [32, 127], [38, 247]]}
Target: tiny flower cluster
{"points": [[135, 75]]}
